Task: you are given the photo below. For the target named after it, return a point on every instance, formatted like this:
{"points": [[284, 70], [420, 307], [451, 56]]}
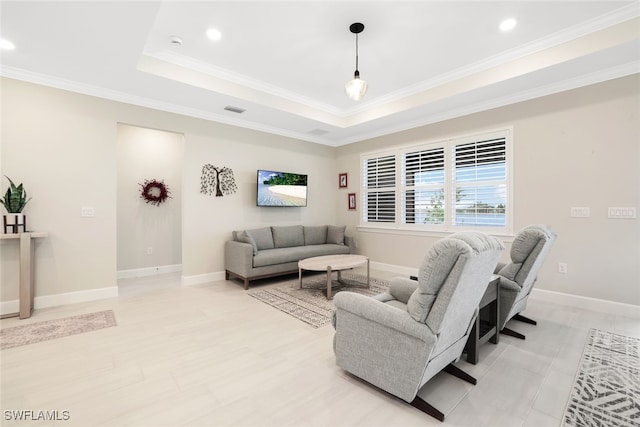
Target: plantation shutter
{"points": [[423, 186], [480, 182], [379, 178]]}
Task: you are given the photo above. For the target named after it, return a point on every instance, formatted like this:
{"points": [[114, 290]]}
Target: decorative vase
{"points": [[13, 222]]}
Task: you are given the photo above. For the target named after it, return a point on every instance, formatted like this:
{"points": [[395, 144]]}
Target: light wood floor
{"points": [[210, 355]]}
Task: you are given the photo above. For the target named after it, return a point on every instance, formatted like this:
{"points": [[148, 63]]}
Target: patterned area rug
{"points": [[310, 304], [58, 328], [606, 391]]}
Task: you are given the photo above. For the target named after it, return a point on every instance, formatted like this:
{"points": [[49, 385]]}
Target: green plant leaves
{"points": [[15, 199]]}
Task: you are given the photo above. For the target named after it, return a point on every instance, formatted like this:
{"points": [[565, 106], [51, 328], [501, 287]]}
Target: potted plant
{"points": [[14, 201]]}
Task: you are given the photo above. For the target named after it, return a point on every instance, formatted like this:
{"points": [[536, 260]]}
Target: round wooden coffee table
{"points": [[331, 263]]}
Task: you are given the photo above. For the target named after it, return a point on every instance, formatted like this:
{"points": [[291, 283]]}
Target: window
{"points": [[380, 189], [443, 185]]}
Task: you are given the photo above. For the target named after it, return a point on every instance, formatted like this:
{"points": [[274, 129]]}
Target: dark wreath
{"points": [[154, 192]]}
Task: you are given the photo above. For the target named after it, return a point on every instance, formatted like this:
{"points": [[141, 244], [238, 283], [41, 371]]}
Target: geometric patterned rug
{"points": [[606, 390], [50, 329], [310, 304]]}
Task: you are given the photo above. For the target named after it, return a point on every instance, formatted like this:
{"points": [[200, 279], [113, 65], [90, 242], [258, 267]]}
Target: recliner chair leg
{"points": [[512, 333], [423, 406], [457, 372], [521, 318]]}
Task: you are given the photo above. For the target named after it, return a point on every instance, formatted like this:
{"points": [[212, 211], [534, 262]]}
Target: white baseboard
{"points": [[406, 271], [149, 271], [203, 278], [603, 306], [595, 304], [8, 307]]}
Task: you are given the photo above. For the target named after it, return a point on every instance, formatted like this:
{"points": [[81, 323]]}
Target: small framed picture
{"points": [[342, 180], [352, 201]]}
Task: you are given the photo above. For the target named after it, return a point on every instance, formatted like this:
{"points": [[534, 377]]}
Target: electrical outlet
{"points": [[149, 250], [582, 212], [562, 267], [87, 211]]}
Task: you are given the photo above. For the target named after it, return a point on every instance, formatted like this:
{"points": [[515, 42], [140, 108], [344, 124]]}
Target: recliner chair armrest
{"points": [[509, 285], [381, 313], [402, 288]]}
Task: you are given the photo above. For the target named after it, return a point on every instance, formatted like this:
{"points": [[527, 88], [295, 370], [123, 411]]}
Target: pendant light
{"points": [[357, 87]]}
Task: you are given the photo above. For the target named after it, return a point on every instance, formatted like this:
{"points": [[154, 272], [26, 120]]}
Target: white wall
{"points": [[147, 154], [577, 148], [64, 152], [209, 220], [62, 145]]}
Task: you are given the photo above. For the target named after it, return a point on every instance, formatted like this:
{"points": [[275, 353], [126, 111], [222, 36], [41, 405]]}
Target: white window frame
{"points": [[448, 226]]}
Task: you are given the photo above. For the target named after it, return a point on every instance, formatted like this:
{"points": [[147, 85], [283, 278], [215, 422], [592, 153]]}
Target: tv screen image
{"points": [[281, 189]]}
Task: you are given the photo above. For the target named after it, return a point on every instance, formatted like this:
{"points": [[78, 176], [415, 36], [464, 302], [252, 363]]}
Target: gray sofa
{"points": [[273, 251]]}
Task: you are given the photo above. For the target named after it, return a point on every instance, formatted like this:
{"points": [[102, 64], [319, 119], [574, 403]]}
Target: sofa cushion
{"points": [[284, 255], [315, 235], [244, 237], [335, 234], [262, 237], [286, 237]]}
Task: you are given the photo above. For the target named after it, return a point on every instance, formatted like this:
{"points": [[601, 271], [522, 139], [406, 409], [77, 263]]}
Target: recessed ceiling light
{"points": [[508, 24], [6, 45], [214, 34]]}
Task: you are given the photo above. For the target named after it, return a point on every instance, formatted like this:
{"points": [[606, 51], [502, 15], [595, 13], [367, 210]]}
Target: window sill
{"points": [[503, 235]]}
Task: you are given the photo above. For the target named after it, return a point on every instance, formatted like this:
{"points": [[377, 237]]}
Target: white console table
{"points": [[26, 270]]}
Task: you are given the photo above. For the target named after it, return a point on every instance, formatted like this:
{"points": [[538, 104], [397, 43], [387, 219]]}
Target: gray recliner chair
{"points": [[528, 252], [400, 339]]}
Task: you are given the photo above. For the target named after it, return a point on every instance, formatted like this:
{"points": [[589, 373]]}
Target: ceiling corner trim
{"points": [[204, 80], [111, 95]]}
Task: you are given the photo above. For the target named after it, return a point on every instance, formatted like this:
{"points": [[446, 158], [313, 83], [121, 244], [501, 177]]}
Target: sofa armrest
{"points": [[349, 241], [238, 257]]}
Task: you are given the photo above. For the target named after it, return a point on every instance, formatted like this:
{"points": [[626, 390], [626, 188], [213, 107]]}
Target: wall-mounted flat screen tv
{"points": [[281, 189]]}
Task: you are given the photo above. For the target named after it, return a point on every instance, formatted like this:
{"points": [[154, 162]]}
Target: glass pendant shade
{"points": [[356, 88]]}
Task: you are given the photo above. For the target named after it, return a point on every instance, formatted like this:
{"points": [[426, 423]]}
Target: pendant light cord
{"points": [[357, 54]]}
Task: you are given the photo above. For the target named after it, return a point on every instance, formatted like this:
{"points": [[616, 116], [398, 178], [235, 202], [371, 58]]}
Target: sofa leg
{"points": [[521, 318], [512, 333], [246, 284], [423, 406], [226, 275], [457, 372]]}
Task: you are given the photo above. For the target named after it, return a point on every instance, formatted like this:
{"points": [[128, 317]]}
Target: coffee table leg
{"points": [[329, 296]]}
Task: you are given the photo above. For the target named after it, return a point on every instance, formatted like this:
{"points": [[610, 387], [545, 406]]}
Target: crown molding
{"points": [[602, 22], [562, 86], [112, 95], [64, 84], [243, 80]]}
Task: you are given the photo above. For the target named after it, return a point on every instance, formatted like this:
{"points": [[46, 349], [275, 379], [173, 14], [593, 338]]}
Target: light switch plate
{"points": [[624, 213]]}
